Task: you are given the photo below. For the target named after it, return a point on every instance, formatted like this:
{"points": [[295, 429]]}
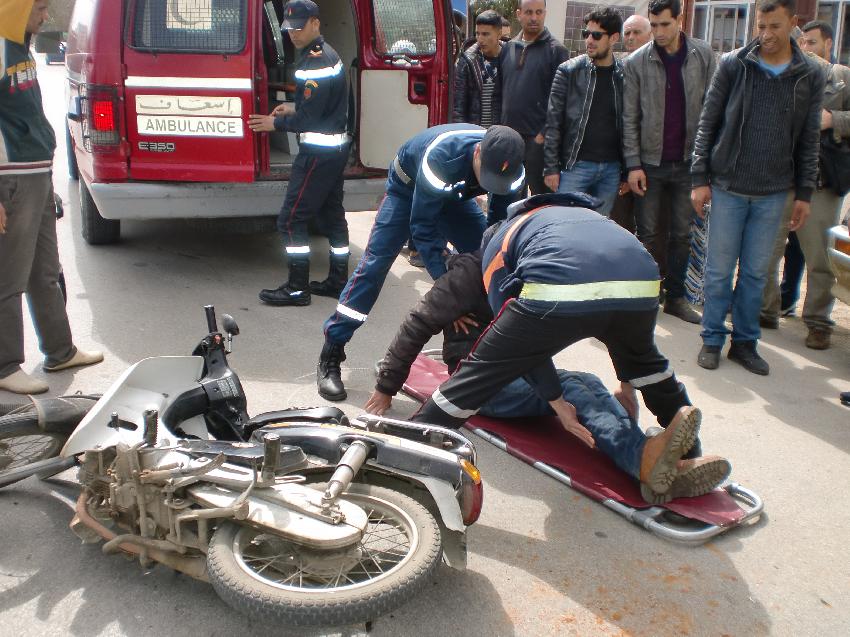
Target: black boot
{"points": [[328, 373], [337, 278], [295, 291], [744, 353]]}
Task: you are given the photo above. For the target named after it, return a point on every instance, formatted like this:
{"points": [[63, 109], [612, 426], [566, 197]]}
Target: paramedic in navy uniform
{"points": [[431, 186], [320, 117]]}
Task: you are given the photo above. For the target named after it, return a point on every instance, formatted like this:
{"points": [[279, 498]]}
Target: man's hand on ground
{"points": [[378, 403], [799, 215], [700, 196], [637, 181], [566, 413], [2, 219], [627, 397], [461, 324], [552, 181], [261, 123]]}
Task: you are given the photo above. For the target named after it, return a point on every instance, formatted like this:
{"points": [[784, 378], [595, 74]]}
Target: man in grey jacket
{"points": [[665, 83], [757, 141], [825, 208]]}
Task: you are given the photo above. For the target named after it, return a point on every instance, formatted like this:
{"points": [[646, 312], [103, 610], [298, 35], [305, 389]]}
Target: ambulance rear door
{"points": [[188, 89], [405, 64]]}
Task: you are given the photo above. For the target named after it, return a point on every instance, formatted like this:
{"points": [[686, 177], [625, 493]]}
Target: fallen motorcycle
{"points": [[295, 516]]}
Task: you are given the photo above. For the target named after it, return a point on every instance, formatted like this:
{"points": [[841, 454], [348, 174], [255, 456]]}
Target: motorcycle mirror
{"points": [[230, 326]]}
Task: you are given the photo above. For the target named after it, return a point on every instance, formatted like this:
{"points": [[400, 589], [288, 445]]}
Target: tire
{"points": [[257, 595], [73, 169], [23, 442], [96, 229]]}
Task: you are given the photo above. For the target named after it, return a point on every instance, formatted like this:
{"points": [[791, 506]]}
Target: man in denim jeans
{"points": [[757, 141], [665, 83], [584, 124]]}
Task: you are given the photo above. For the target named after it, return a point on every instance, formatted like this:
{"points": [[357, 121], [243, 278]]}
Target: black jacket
{"points": [[457, 293], [321, 98], [525, 79], [569, 110], [468, 86], [717, 144]]}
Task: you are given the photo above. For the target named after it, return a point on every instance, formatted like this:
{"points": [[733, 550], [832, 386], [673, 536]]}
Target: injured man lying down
{"points": [[457, 305]]}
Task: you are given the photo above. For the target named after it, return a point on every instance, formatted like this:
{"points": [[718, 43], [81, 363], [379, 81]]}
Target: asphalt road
{"points": [[543, 559]]}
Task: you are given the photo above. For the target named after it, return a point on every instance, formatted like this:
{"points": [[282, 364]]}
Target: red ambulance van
{"points": [[159, 92]]}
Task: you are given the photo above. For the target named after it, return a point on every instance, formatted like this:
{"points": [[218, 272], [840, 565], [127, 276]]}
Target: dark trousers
{"points": [[792, 273], [624, 211], [668, 190], [521, 340], [315, 190], [534, 166]]}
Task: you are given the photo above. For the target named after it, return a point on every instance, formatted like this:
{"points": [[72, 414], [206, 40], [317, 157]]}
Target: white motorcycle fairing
{"points": [[152, 383]]}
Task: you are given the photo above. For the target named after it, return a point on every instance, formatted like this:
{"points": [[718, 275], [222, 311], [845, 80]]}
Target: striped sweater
{"points": [[27, 140]]}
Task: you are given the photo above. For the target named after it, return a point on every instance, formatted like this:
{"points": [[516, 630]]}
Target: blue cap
{"points": [[297, 12]]}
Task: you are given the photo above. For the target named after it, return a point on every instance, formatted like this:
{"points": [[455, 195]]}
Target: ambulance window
{"points": [[405, 26], [199, 26]]}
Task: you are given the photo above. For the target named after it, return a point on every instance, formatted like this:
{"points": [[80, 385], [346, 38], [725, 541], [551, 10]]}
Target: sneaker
{"points": [[680, 308], [769, 322], [415, 259], [791, 310], [20, 382], [845, 398], [744, 353], [79, 359], [818, 338], [709, 357]]}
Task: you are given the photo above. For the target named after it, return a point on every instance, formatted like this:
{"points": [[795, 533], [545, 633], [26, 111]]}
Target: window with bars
{"points": [[196, 26], [405, 26]]}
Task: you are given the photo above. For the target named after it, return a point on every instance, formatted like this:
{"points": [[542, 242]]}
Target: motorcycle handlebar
{"points": [[211, 323]]}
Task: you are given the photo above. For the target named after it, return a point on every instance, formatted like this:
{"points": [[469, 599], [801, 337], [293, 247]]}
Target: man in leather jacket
{"points": [[584, 122], [757, 142], [476, 73]]}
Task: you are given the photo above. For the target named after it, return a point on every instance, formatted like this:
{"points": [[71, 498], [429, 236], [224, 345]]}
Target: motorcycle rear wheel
{"points": [[263, 575], [23, 442]]}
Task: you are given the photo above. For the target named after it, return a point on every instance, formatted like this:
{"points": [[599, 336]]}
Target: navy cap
{"points": [[502, 152], [297, 12]]}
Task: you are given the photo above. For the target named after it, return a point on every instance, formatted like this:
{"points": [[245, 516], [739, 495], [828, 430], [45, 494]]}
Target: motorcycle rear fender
{"points": [[152, 383]]}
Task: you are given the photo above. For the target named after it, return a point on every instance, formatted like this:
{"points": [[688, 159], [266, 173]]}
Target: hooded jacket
{"points": [[724, 115]]}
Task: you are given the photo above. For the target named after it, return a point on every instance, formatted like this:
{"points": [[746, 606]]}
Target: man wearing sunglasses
{"points": [[584, 121], [665, 86]]}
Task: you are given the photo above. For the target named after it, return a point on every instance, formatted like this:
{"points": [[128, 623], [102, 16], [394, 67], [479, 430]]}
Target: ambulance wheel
{"points": [[96, 229]]}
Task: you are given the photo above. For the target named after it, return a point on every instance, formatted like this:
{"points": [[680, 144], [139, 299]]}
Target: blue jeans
{"points": [[598, 179], [460, 222], [616, 435], [741, 232]]}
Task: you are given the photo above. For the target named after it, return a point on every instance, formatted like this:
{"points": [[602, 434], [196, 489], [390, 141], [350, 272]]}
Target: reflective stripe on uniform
{"points": [[340, 251], [595, 291], [297, 249], [450, 408], [652, 379], [324, 139], [516, 184], [399, 171], [318, 74], [435, 181], [352, 314]]}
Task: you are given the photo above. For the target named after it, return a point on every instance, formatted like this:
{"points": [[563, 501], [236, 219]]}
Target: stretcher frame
{"points": [[658, 520]]}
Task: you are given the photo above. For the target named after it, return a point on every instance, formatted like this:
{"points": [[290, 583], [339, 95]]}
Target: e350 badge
{"points": [[157, 147]]}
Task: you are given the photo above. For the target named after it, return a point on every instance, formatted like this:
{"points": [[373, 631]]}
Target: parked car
{"points": [[839, 258], [159, 94]]}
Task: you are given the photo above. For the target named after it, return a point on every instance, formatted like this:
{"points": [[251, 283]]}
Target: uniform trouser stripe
{"points": [[297, 249], [339, 252], [449, 407], [652, 379], [353, 314]]}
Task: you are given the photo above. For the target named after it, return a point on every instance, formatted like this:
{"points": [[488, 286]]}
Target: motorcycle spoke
{"points": [[22, 450]]}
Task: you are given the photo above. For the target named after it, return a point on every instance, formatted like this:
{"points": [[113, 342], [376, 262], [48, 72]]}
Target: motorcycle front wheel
{"points": [[260, 574], [23, 442]]}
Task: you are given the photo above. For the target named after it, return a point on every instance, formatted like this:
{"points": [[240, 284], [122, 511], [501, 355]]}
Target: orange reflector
{"points": [[842, 246], [471, 470]]}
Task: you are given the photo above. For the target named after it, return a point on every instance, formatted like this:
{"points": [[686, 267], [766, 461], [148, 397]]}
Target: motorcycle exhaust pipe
{"points": [[348, 466]]}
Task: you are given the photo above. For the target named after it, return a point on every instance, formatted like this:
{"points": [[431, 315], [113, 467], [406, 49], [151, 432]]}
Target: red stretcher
{"points": [[690, 521]]}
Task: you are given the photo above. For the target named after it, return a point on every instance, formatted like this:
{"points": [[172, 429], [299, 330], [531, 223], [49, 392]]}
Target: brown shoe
{"points": [[662, 452], [696, 477], [818, 338], [79, 359]]}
